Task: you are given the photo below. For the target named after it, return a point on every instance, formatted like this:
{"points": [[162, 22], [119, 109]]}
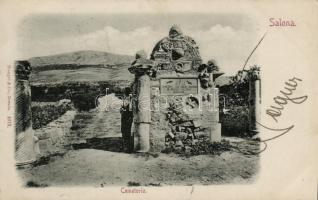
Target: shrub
{"points": [[235, 119], [45, 112]]}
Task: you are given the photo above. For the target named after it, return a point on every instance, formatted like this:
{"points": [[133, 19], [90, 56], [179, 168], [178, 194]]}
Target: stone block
{"points": [[196, 123], [42, 135], [173, 118], [209, 117], [188, 149], [179, 143], [215, 133], [181, 135], [157, 140], [194, 141], [47, 148], [183, 117], [189, 130], [201, 134], [180, 128], [187, 124], [171, 134]]}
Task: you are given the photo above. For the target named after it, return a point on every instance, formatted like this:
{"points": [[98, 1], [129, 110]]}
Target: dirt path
{"points": [[94, 124], [101, 168], [96, 160]]}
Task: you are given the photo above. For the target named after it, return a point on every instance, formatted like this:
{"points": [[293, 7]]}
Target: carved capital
{"points": [[254, 74], [22, 70], [141, 66]]}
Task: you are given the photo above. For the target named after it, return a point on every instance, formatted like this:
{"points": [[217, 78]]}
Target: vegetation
{"points": [[46, 112], [234, 115]]}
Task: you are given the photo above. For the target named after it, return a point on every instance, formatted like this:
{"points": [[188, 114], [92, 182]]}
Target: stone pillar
{"points": [[141, 107], [215, 133], [25, 139], [142, 116], [254, 100]]}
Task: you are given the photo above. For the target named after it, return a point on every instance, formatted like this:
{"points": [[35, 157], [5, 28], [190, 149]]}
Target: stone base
{"points": [[215, 134], [26, 150], [141, 137]]}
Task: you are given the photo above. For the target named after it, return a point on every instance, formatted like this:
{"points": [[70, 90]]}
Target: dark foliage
{"points": [[234, 111], [46, 112]]}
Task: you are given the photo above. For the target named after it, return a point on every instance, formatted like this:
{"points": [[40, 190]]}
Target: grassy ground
{"points": [[89, 74]]}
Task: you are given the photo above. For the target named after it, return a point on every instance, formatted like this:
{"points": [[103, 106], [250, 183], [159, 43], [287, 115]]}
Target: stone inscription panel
{"points": [[178, 86]]}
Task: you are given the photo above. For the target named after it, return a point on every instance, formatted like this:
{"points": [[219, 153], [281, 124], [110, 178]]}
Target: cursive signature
{"points": [[287, 96], [275, 110]]}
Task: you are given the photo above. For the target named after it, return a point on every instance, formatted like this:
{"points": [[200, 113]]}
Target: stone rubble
{"points": [[184, 130]]}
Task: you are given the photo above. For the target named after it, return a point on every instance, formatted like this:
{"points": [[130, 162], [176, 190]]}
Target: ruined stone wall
{"points": [[180, 121], [46, 112]]}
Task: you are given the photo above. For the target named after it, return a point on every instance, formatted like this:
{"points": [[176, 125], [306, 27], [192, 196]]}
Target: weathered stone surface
{"points": [[189, 117], [53, 138], [187, 124], [26, 149], [43, 135], [189, 130], [181, 135], [215, 133], [173, 118], [196, 123], [194, 141], [187, 149], [184, 117], [177, 52], [201, 134], [180, 128], [171, 134], [254, 103], [179, 143], [190, 136]]}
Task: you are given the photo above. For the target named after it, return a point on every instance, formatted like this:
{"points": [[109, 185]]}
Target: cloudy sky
{"points": [[226, 38]]}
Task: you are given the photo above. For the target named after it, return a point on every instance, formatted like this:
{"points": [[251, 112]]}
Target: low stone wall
{"points": [[45, 112], [53, 138]]}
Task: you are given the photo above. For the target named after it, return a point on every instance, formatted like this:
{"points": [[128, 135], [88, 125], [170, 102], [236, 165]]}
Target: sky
{"points": [[226, 38]]}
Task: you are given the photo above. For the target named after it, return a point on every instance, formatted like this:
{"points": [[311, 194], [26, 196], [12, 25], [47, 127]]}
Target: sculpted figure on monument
{"points": [[141, 64], [206, 73], [177, 52]]}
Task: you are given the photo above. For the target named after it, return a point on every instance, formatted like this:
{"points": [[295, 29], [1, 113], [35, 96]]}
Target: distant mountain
{"points": [[87, 66], [81, 58]]}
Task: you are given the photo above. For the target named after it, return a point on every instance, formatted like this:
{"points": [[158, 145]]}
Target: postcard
{"points": [[159, 100]]}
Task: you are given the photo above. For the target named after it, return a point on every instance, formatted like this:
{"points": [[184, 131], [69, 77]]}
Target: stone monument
{"points": [[179, 92]]}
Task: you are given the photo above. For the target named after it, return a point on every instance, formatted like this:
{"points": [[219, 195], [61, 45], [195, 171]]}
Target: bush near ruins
{"points": [[45, 112], [234, 116], [82, 94]]}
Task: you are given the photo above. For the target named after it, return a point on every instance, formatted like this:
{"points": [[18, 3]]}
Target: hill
{"points": [[81, 58], [80, 66], [86, 66]]}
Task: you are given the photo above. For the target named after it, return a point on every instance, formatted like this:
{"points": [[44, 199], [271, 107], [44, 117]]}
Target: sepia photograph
{"points": [[137, 100], [162, 99]]}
